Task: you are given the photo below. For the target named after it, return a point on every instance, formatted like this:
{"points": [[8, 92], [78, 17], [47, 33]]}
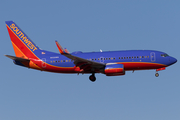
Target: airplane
{"points": [[110, 63]]}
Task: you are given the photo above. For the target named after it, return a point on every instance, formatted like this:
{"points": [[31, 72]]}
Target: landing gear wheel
{"points": [[92, 78], [157, 74]]}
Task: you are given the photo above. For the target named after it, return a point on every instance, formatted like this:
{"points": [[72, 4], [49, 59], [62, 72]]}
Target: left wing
{"points": [[84, 64]]}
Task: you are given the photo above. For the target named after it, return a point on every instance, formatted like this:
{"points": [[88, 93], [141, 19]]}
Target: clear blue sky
{"points": [[82, 25]]}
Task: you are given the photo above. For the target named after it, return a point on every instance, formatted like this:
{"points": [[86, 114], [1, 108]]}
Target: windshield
{"points": [[164, 55]]}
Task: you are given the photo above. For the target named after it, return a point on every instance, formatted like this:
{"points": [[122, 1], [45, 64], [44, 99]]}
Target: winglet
{"points": [[60, 48], [65, 49]]}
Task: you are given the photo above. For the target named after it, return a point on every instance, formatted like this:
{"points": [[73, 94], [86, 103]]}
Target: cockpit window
{"points": [[164, 55]]}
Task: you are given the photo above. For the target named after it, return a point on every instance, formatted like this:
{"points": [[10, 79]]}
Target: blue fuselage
{"points": [[132, 59]]}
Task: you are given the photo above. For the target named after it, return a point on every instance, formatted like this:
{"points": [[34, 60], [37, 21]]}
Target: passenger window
{"points": [[50, 61], [129, 57]]}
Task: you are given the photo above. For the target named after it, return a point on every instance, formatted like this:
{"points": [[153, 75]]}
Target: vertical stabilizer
{"points": [[22, 44]]}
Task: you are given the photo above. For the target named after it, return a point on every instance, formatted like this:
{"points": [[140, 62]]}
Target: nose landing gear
{"points": [[92, 78], [157, 74]]}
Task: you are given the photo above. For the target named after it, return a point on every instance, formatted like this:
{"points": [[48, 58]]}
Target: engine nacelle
{"points": [[114, 70]]}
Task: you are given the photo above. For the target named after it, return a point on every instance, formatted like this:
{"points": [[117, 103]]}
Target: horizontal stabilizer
{"points": [[17, 58]]}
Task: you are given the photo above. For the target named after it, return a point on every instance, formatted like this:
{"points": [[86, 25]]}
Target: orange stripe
{"points": [[31, 64], [17, 51]]}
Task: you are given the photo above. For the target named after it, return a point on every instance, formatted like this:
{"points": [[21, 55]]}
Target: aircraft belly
{"points": [[142, 66]]}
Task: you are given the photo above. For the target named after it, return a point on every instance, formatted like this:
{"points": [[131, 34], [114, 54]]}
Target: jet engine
{"points": [[114, 70]]}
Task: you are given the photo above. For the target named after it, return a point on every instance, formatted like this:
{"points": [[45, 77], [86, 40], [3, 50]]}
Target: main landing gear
{"points": [[92, 77]]}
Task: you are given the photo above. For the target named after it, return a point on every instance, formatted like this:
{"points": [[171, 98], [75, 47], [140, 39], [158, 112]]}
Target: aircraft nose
{"points": [[173, 60]]}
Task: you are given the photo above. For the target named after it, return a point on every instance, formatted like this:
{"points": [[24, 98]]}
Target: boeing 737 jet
{"points": [[111, 63]]}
